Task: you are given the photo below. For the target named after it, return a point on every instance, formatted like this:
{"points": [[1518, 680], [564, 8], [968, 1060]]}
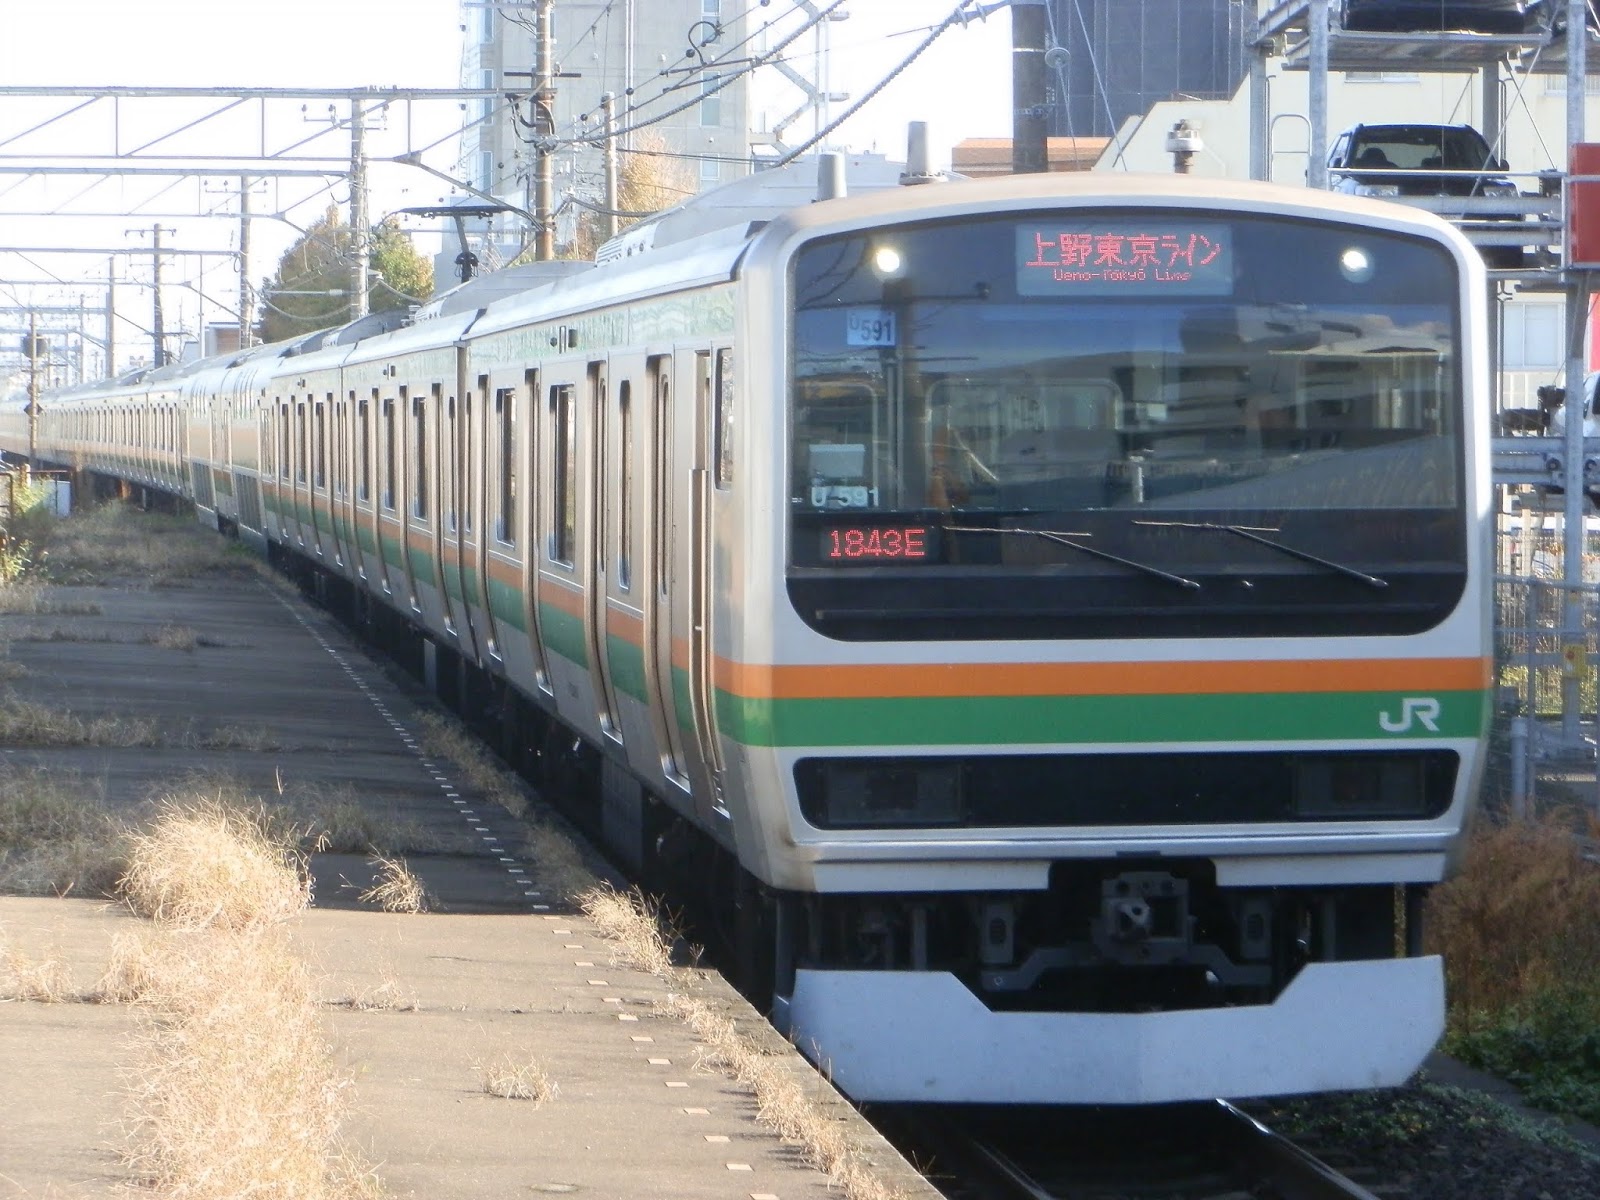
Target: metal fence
{"points": [[1546, 649]]}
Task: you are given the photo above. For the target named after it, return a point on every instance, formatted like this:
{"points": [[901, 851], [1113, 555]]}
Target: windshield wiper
{"points": [[1065, 539], [1251, 536]]}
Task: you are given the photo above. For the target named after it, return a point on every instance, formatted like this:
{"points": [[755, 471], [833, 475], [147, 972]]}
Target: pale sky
{"points": [[961, 86]]}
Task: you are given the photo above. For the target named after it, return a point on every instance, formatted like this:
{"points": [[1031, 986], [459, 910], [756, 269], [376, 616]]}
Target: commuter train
{"points": [[1052, 613]]}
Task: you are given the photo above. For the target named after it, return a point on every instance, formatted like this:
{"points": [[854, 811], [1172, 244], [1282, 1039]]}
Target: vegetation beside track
{"points": [[1519, 929]]}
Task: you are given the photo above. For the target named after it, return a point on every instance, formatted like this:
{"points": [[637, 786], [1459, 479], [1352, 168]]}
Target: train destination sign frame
{"points": [[1099, 258]]}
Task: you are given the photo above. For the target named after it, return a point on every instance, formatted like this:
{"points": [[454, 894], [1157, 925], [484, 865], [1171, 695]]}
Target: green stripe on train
{"points": [[1005, 720], [505, 602], [563, 634]]}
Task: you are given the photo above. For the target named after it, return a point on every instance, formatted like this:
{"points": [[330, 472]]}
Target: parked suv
{"points": [[1424, 160]]}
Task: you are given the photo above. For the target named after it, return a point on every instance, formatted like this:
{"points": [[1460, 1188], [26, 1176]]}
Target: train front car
{"points": [[1129, 644]]}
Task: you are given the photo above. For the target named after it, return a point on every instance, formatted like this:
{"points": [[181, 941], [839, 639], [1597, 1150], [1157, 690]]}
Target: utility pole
{"points": [[247, 308], [360, 243], [158, 332], [111, 317], [33, 389], [544, 116], [608, 110], [1029, 148]]}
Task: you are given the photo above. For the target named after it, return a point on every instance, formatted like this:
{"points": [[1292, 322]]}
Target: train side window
{"points": [[722, 452], [466, 463], [447, 494], [302, 435], [625, 480], [364, 447], [319, 435], [563, 472], [505, 412], [419, 456], [283, 441], [391, 463]]}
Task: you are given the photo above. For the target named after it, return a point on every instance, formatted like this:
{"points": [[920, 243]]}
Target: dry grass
{"points": [[235, 1093], [1522, 916], [446, 738], [641, 936], [118, 542], [56, 835], [10, 669], [514, 1078], [27, 723], [558, 863], [255, 739], [385, 996], [22, 596], [46, 980], [633, 923], [131, 971], [208, 861], [394, 888], [174, 637], [62, 633]]}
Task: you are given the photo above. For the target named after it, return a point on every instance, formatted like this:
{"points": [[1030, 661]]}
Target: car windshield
{"points": [[1420, 148]]}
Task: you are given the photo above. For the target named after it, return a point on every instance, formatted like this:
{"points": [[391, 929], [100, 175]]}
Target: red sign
{"points": [[1583, 208]]}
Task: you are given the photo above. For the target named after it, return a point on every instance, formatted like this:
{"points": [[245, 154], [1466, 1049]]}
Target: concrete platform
{"points": [[499, 969]]}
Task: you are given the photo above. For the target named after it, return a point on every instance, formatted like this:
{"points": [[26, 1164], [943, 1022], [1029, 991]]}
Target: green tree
{"points": [[296, 299]]}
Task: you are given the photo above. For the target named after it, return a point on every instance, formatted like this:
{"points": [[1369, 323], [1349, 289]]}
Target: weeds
{"points": [[642, 935], [632, 922], [209, 862], [1519, 929], [174, 637], [56, 835], [27, 723], [235, 1093], [513, 1078], [46, 980], [394, 888], [447, 738], [117, 542]]}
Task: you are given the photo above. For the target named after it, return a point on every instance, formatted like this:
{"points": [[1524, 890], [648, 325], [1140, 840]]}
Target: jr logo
{"points": [[1424, 709]]}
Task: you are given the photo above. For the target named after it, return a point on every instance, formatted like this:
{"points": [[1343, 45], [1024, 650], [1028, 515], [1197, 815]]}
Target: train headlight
{"points": [[1363, 786], [882, 793], [1355, 264], [886, 261]]}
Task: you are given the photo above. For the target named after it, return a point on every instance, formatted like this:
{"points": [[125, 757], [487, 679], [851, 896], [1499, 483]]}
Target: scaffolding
{"points": [[1546, 635]]}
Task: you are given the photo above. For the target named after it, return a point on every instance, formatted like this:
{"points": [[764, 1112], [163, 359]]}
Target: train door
{"points": [[465, 518], [660, 584], [490, 470], [600, 546], [520, 512], [392, 502], [699, 599], [447, 531], [318, 495]]}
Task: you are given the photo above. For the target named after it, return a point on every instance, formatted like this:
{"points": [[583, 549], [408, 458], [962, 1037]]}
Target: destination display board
{"points": [[1144, 257]]}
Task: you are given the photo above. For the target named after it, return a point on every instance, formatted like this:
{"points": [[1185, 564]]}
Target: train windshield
{"points": [[1258, 406]]}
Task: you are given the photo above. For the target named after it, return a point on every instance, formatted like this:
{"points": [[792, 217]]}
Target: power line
{"points": [[724, 82], [954, 16]]}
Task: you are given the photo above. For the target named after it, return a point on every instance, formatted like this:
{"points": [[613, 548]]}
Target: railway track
{"points": [[1178, 1152]]}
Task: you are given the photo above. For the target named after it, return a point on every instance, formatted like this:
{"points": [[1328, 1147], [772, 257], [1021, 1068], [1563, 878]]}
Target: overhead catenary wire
{"points": [[711, 89], [871, 92]]}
